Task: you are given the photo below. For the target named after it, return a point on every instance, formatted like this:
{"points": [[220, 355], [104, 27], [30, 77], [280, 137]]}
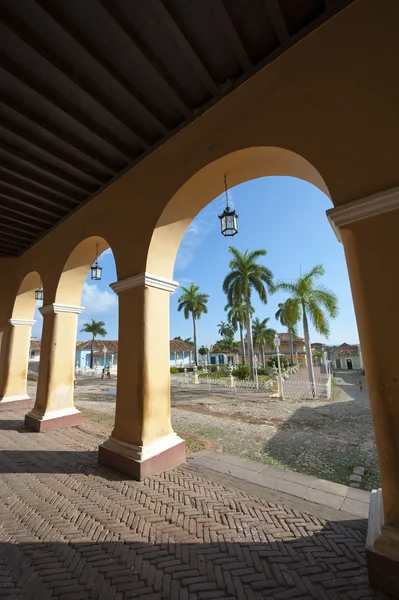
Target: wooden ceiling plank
{"points": [[5, 216], [105, 64], [43, 199], [220, 8], [185, 46], [277, 18], [31, 234], [38, 46], [24, 77], [37, 165], [33, 207], [13, 211], [4, 233], [153, 68], [48, 132], [16, 133], [39, 184]]}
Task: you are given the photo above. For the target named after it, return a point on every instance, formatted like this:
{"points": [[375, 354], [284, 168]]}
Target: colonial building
{"points": [[106, 353], [221, 358], [180, 353], [346, 356]]}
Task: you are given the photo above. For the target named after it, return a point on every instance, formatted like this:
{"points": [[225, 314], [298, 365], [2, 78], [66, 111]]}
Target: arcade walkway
{"points": [[74, 530]]}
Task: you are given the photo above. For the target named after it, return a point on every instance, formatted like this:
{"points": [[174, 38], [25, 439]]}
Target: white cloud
{"points": [[199, 229], [97, 301]]}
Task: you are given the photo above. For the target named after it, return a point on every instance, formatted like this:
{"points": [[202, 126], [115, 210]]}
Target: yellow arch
{"points": [[25, 303], [207, 184], [76, 269]]}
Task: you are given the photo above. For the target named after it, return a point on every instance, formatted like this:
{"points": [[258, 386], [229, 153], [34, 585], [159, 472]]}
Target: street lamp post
{"points": [[105, 354], [277, 346]]}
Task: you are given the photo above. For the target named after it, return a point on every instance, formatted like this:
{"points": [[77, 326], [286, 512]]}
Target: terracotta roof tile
{"points": [[180, 346], [112, 346]]}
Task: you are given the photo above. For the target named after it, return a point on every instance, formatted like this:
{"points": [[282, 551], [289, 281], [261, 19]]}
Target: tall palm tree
{"points": [[289, 314], [262, 335], [311, 300], [194, 303], [95, 328], [236, 315], [245, 276]]}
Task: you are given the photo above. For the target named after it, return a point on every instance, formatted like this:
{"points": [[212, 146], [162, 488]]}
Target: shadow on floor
{"points": [[56, 461], [329, 440], [305, 568]]}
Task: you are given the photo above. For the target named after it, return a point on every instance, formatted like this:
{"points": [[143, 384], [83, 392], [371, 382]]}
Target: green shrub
{"points": [[242, 372], [273, 361], [214, 374], [174, 370]]}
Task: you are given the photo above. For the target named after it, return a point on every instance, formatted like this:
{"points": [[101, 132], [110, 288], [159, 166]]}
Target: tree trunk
{"points": [[92, 353], [308, 350], [250, 340], [195, 340], [291, 346], [263, 356], [242, 344]]}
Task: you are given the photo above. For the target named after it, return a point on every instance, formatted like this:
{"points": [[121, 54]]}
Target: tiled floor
{"points": [[73, 530]]}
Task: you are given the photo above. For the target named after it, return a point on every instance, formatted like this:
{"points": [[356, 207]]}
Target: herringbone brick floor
{"points": [[73, 530]]}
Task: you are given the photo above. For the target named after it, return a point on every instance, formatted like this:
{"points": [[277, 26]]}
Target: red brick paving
{"points": [[73, 530]]}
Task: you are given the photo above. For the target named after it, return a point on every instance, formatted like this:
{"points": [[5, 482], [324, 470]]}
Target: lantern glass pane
{"points": [[39, 294], [96, 272]]}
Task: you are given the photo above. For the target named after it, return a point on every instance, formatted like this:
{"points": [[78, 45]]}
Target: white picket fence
{"points": [[305, 389], [291, 389]]}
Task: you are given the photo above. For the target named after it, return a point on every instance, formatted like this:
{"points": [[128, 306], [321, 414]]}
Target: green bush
{"points": [[214, 374], [242, 372], [273, 361], [174, 370]]}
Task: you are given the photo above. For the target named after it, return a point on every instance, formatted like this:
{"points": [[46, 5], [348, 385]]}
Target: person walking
{"points": [[108, 373], [361, 385], [103, 373]]}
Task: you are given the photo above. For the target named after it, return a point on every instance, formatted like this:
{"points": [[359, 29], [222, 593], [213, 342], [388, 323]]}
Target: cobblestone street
{"points": [[73, 530]]}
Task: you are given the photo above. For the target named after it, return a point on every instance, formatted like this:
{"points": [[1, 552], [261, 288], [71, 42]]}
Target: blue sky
{"points": [[283, 215]]}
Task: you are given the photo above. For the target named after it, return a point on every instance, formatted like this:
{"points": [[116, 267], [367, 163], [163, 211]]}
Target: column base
{"points": [[140, 462], [56, 419], [382, 549], [11, 402]]}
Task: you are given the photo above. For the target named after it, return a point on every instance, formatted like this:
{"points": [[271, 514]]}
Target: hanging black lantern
{"points": [[96, 270], [228, 219], [39, 294]]}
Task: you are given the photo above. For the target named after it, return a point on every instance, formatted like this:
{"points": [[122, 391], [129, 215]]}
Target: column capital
{"points": [[144, 280], [60, 308], [30, 322], [364, 208]]}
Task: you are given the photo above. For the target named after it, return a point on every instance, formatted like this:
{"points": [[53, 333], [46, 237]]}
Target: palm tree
{"points": [[311, 300], [289, 314], [224, 329], [95, 328], [203, 351], [245, 276], [194, 303], [263, 335], [236, 315]]}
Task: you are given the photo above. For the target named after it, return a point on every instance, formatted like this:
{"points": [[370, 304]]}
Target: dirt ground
{"points": [[324, 438]]}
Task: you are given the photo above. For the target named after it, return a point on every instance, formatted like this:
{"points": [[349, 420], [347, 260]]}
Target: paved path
{"points": [[327, 493], [72, 530]]}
